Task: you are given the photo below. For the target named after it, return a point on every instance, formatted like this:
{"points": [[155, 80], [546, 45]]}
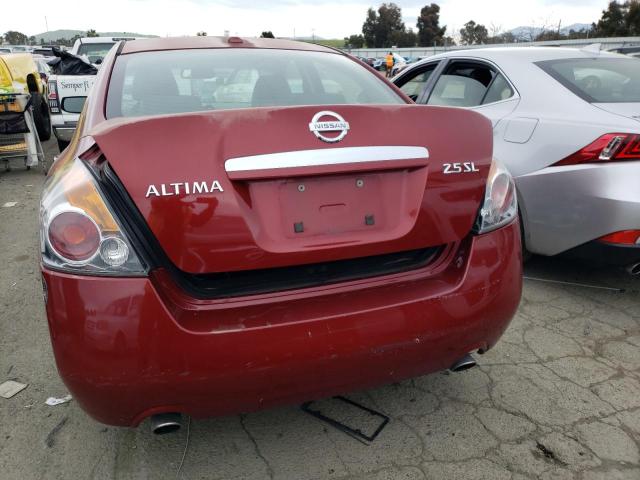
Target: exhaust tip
{"points": [[465, 363], [634, 269], [164, 423]]}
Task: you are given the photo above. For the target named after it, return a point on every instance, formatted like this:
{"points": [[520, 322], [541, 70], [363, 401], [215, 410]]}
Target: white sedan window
{"points": [[598, 80]]}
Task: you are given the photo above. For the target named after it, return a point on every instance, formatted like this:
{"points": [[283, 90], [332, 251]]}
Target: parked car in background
{"points": [[19, 74], [21, 48], [5, 50], [44, 51], [69, 92], [188, 270], [566, 125], [380, 63], [43, 69], [95, 48], [69, 86], [398, 66], [367, 60], [630, 51]]}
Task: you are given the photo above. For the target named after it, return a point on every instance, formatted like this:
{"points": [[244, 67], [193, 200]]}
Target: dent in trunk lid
{"points": [[346, 210]]}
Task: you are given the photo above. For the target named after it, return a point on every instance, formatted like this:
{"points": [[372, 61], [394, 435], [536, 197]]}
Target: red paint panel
{"points": [[129, 347], [246, 226]]}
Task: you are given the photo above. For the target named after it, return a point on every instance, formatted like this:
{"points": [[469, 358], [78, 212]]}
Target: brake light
{"points": [[500, 204], [608, 148], [53, 97], [625, 237], [74, 236], [78, 231]]}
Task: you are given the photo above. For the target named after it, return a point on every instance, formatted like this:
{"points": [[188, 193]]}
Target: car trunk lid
{"points": [[253, 189]]}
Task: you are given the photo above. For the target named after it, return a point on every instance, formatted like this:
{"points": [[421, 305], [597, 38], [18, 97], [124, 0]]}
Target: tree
{"points": [[92, 33], [574, 35], [612, 23], [62, 41], [267, 34], [389, 21], [15, 38], [369, 28], [549, 35], [473, 33], [633, 19], [505, 37], [619, 20], [354, 41], [32, 40], [201, 34], [429, 30], [404, 38], [382, 28]]}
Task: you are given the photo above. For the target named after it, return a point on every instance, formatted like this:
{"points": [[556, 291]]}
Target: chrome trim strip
{"points": [[324, 156]]}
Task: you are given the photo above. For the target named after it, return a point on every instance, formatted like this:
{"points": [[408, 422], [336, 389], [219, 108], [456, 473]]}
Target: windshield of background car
{"points": [[181, 81], [598, 80], [95, 51]]}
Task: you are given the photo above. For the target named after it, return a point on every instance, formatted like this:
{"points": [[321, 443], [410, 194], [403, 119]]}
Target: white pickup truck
{"points": [[67, 93]]}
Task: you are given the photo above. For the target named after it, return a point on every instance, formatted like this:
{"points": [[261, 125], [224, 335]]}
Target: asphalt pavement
{"points": [[557, 398]]}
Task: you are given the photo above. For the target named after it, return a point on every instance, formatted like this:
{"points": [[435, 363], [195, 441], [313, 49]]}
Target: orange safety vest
{"points": [[389, 59]]}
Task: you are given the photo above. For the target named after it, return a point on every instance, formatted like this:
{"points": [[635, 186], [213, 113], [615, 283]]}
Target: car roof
{"points": [[102, 39], [182, 43], [525, 54]]}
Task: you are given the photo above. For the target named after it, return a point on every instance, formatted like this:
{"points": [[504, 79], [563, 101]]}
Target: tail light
{"points": [[625, 237], [78, 231], [54, 107], [500, 204], [608, 148]]}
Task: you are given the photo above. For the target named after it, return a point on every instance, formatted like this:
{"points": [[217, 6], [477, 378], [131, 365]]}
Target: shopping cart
{"points": [[19, 140]]}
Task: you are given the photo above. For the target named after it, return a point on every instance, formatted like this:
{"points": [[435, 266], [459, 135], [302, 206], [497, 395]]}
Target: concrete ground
{"points": [[557, 398]]}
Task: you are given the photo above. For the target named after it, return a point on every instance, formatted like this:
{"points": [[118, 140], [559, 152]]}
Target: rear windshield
{"points": [[598, 80], [95, 51], [180, 81]]}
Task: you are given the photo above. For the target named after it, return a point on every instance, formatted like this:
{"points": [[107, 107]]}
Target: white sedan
{"points": [[566, 124]]}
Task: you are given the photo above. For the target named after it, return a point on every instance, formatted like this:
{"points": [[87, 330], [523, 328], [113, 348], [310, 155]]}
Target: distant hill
{"points": [[53, 35], [525, 33]]}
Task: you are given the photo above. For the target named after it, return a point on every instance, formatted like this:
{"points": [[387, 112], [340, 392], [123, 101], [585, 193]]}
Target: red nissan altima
{"points": [[242, 223]]}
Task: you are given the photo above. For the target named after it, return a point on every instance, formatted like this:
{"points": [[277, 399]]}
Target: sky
{"points": [[304, 18]]}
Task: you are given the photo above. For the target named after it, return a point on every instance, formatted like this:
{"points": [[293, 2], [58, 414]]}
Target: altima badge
{"points": [[183, 188], [332, 123]]}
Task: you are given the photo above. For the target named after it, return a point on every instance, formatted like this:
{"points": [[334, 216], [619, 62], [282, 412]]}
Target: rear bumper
{"points": [[565, 207], [131, 347]]}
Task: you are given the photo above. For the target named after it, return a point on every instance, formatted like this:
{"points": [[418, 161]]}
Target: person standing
{"points": [[389, 61]]}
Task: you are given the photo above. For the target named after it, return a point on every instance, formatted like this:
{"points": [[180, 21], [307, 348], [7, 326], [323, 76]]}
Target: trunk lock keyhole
{"points": [[301, 187], [359, 183]]}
